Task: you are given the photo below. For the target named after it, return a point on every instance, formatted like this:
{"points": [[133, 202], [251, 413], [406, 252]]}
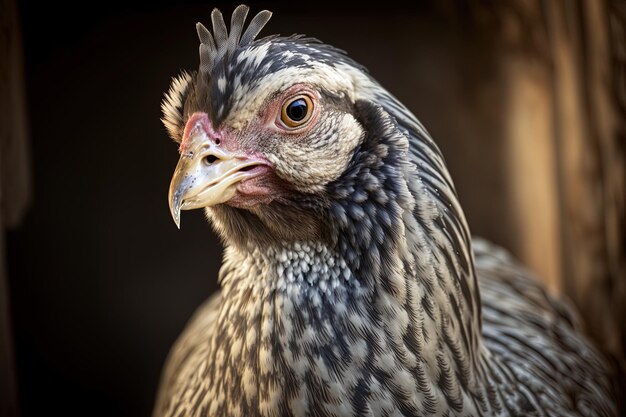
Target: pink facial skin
{"points": [[196, 123], [261, 185], [199, 122]]}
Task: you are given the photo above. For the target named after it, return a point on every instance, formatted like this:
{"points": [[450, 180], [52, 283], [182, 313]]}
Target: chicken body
{"points": [[533, 360], [350, 284]]}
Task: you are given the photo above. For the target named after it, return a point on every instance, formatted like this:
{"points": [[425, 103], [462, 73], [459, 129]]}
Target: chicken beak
{"points": [[204, 177]]}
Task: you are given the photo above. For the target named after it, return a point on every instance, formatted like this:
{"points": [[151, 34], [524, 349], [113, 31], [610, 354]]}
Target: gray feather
{"points": [[255, 27], [222, 43], [237, 22], [206, 61], [220, 32], [205, 36]]}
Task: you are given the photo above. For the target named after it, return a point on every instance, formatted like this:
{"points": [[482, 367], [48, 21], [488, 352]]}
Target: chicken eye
{"points": [[296, 111]]}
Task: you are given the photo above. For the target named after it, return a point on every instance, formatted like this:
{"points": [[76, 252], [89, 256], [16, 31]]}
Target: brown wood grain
{"points": [[14, 182], [536, 144]]}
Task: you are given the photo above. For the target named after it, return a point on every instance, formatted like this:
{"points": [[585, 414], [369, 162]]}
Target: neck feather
{"points": [[403, 233], [390, 290]]}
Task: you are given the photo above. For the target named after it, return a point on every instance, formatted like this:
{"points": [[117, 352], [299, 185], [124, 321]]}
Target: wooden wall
{"points": [[14, 182], [536, 145]]}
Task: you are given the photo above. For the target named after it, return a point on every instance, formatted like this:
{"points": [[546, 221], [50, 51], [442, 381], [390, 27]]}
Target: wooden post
{"points": [[590, 165], [540, 164], [14, 181]]}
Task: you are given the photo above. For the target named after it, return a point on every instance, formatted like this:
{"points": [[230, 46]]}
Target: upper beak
{"points": [[206, 175]]}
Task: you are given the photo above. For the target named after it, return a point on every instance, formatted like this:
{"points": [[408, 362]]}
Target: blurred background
{"points": [[527, 99]]}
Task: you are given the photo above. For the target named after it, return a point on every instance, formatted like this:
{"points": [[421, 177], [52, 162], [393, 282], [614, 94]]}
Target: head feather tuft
{"points": [[215, 45], [222, 43]]}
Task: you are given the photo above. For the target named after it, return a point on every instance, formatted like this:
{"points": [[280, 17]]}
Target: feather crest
{"points": [[222, 43]]}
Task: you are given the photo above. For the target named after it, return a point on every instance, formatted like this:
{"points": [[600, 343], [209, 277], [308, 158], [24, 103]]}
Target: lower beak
{"points": [[205, 178]]}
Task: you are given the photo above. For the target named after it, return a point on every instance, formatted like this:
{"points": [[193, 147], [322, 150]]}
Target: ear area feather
{"points": [[173, 103]]}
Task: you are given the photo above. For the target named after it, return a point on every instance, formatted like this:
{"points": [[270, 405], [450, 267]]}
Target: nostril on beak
{"points": [[209, 159]]}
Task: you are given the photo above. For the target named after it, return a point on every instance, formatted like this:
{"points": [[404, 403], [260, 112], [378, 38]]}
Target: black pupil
{"points": [[297, 109]]}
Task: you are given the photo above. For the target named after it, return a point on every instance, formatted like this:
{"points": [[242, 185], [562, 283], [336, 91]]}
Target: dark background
{"points": [[100, 280]]}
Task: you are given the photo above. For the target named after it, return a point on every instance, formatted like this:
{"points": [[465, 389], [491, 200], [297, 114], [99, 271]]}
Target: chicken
{"points": [[350, 284]]}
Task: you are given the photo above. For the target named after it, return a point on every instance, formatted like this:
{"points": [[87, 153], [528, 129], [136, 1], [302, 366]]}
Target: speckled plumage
{"points": [[358, 293]]}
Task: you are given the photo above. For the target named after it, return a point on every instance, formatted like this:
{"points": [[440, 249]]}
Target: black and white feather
{"points": [[172, 106], [362, 293]]}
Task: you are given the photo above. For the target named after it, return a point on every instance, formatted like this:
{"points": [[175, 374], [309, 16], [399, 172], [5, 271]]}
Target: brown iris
{"points": [[296, 111]]}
